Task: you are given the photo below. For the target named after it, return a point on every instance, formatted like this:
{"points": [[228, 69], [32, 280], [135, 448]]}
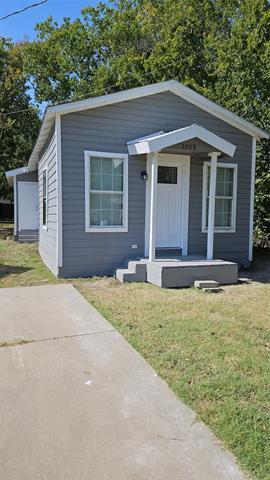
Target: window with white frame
{"points": [[44, 198], [225, 203], [106, 196]]}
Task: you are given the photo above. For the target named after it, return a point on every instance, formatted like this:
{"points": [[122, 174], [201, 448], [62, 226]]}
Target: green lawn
{"points": [[213, 350], [20, 264]]}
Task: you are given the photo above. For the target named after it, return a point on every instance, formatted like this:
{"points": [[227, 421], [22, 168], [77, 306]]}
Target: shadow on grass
{"points": [[6, 270], [260, 268]]}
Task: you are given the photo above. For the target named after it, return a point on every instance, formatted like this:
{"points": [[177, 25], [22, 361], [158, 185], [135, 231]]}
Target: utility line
{"points": [[23, 9]]}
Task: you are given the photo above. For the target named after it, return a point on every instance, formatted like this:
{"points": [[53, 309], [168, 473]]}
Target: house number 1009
{"points": [[188, 146]]}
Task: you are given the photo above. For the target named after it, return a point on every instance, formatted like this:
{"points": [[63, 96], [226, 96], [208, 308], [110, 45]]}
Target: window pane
{"points": [[218, 219], [44, 198], [220, 174], [228, 189], [111, 201], [95, 181], [45, 183], [224, 182], [223, 212], [117, 201], [95, 217], [106, 201], [117, 217], [208, 180], [107, 165], [167, 175], [220, 189], [117, 166], [118, 183], [44, 207], [95, 165], [107, 182], [106, 209], [106, 218], [229, 174], [224, 185], [95, 201]]}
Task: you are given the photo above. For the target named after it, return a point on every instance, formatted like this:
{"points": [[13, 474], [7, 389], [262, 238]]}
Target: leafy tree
{"points": [[242, 67], [17, 131]]}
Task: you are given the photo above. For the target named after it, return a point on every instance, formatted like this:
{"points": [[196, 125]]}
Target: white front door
{"points": [[168, 233], [28, 205]]}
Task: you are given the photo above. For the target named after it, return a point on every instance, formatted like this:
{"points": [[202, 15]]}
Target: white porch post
{"points": [[153, 206], [212, 198]]}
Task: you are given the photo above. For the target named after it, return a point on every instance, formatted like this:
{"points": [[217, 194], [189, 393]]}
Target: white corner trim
{"points": [[252, 192], [15, 231], [110, 229], [204, 195], [158, 142], [59, 233], [184, 162]]}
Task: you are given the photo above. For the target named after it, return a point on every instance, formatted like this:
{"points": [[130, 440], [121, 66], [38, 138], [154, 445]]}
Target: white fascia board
{"points": [[110, 99], [215, 141], [42, 137], [216, 110], [160, 142]]}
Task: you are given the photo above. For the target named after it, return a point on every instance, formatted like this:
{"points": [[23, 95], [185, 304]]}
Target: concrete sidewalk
{"points": [[79, 403]]}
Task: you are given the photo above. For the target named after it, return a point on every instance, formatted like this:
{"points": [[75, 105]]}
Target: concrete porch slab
{"points": [[183, 273]]}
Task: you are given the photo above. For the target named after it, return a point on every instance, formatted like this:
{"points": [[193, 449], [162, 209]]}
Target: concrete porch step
{"points": [[135, 272], [206, 284], [28, 239], [28, 236]]}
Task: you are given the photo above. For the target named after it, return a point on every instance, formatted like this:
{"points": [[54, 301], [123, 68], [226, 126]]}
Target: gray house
{"points": [[156, 179]]}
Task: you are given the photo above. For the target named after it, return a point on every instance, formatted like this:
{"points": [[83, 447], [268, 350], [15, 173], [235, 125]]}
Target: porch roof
{"points": [[11, 174], [159, 141]]}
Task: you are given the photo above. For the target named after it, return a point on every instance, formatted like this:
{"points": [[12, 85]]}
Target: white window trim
{"points": [[234, 201], [45, 169], [124, 227]]}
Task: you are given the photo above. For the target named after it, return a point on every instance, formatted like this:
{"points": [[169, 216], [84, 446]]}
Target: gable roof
{"points": [[157, 142], [170, 86]]}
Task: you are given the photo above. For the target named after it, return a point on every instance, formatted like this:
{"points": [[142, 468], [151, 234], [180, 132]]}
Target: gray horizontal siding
{"points": [[48, 238], [108, 129]]}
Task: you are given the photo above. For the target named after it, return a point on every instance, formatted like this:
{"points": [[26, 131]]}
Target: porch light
{"points": [[144, 175]]}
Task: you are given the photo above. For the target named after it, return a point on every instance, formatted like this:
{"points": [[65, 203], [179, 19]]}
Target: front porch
{"points": [[167, 219], [178, 272]]}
